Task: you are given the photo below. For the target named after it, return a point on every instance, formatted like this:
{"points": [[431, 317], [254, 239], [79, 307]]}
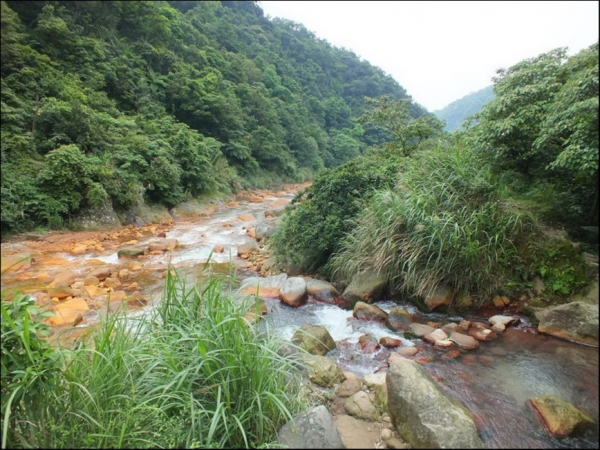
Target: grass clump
{"points": [[442, 223], [192, 373]]}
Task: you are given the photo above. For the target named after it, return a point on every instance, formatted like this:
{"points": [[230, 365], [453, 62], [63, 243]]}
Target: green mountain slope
{"points": [[125, 102], [456, 112]]}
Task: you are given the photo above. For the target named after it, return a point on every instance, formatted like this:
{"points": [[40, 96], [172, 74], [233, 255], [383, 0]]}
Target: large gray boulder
{"points": [[322, 290], [323, 371], [575, 321], [366, 287], [313, 429], [424, 414], [293, 291]]}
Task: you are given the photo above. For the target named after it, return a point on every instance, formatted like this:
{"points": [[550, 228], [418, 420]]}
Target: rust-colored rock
{"points": [[390, 342], [367, 343]]}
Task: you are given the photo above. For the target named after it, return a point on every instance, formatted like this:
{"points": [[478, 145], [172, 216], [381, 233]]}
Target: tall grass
{"points": [[443, 223], [192, 373]]}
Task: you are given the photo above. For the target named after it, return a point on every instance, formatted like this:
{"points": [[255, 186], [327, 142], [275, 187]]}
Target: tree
{"points": [[394, 116]]}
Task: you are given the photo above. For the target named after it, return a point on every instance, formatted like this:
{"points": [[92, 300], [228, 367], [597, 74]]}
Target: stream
{"points": [[493, 381]]}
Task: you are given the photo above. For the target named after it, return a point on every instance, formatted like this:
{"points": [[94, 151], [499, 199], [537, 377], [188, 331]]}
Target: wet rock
{"points": [[398, 319], [498, 328], [163, 245], [315, 339], [65, 278], [268, 287], [130, 252], [16, 262], [575, 321], [425, 415], [364, 311], [293, 291], [407, 351], [313, 429], [504, 320], [348, 388], [367, 343], [434, 336], [481, 332], [360, 406], [68, 312], [116, 296], [440, 296], [450, 327], [101, 273], [465, 325], [498, 351], [559, 417], [322, 290], [94, 291], [487, 361], [420, 330], [61, 290], [322, 371], [390, 342], [112, 282], [247, 218], [250, 246], [366, 287], [124, 273], [498, 302], [443, 343], [464, 341]]}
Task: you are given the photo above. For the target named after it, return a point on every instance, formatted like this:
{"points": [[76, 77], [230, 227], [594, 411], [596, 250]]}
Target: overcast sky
{"points": [[442, 51]]}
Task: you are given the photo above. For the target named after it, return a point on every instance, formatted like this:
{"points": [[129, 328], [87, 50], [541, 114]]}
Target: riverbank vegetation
{"points": [[191, 374], [120, 103], [471, 209]]}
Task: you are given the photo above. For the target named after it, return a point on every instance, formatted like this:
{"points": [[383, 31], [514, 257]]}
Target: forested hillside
{"points": [[124, 102], [456, 112]]}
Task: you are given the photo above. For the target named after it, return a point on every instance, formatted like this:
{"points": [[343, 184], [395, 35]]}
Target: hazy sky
{"points": [[442, 51]]}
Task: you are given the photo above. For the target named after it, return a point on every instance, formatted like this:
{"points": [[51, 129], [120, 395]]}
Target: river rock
{"points": [[249, 246], [449, 327], [390, 342], [407, 351], [360, 406], [16, 262], [163, 245], [356, 433], [420, 330], [480, 332], [101, 273], [348, 388], [560, 418], [440, 296], [398, 319], [268, 287], [464, 341], [66, 277], [129, 252], [434, 336], [575, 321], [364, 311], [315, 339], [322, 291], [313, 429], [293, 291], [366, 287], [425, 415], [322, 371], [367, 343], [504, 320]]}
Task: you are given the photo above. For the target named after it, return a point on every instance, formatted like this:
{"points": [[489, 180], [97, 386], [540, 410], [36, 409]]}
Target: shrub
{"points": [[442, 223]]}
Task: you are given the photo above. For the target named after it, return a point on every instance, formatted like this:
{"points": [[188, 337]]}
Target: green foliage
{"points": [[31, 371], [313, 227], [441, 223], [166, 101]]}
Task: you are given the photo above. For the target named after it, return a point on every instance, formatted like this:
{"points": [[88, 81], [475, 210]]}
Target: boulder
{"points": [[322, 371], [249, 246], [364, 311], [398, 319], [366, 287], [504, 320], [293, 291], [322, 291], [101, 273], [440, 296], [560, 418], [420, 330], [481, 332], [434, 336], [575, 321], [268, 287], [314, 428], [348, 388], [315, 339], [66, 276], [360, 406], [390, 342], [425, 415]]}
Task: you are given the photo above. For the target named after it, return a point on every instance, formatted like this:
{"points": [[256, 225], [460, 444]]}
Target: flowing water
{"points": [[494, 381]]}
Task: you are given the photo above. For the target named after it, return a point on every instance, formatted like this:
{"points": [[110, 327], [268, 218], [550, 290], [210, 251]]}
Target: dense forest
{"points": [[457, 112], [120, 103]]}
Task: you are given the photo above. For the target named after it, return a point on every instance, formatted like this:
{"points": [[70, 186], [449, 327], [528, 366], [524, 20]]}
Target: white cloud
{"points": [[441, 51]]}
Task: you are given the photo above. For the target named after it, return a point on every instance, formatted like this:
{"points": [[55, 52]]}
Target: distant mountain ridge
{"points": [[457, 112]]}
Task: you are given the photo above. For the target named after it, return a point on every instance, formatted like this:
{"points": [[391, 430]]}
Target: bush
{"points": [[320, 215], [442, 223]]}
